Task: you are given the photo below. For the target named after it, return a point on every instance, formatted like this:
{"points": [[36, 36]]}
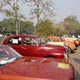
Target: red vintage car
{"points": [[13, 77], [30, 45], [14, 64]]}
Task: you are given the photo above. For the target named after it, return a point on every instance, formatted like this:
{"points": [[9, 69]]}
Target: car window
{"points": [[29, 41], [40, 40], [2, 54], [15, 40], [7, 55]]}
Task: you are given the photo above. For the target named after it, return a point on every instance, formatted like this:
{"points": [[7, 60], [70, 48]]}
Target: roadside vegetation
{"points": [[39, 22]]}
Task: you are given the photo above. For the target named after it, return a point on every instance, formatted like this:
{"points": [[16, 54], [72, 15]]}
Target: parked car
{"points": [[72, 40], [30, 45], [79, 40], [14, 64], [55, 40], [14, 77]]}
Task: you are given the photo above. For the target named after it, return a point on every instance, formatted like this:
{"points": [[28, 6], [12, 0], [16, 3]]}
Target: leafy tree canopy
{"points": [[44, 28], [71, 24]]}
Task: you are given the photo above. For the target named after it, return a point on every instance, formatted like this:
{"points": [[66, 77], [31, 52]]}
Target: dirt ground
{"points": [[74, 59]]}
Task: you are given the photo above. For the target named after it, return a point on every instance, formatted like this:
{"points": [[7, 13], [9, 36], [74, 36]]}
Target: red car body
{"points": [[35, 48], [12, 63], [13, 77]]}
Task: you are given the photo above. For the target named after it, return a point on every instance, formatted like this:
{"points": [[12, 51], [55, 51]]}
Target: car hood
{"points": [[40, 68], [11, 77]]}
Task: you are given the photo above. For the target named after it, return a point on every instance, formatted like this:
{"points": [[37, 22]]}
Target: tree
{"points": [[2, 4], [27, 27], [41, 8], [44, 28], [7, 26], [71, 18], [71, 24], [13, 12]]}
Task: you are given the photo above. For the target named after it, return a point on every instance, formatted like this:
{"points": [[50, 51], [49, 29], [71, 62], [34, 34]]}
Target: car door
{"points": [[16, 43], [30, 47]]}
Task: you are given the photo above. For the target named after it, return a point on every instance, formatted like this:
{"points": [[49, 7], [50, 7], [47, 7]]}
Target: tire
{"points": [[72, 51]]}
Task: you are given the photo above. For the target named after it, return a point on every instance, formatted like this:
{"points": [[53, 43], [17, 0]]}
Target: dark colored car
{"points": [[12, 63], [30, 45]]}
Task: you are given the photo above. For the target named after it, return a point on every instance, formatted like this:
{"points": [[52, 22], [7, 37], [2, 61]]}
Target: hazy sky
{"points": [[63, 8]]}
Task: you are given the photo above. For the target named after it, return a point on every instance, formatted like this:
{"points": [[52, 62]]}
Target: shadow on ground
{"points": [[77, 60], [77, 76], [77, 72]]}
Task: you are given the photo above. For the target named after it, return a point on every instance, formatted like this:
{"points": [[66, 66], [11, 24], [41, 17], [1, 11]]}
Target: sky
{"points": [[63, 8], [66, 8]]}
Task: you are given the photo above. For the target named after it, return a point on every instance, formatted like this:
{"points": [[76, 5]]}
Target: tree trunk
{"points": [[16, 18]]}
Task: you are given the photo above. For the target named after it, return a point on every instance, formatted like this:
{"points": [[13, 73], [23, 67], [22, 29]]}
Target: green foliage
{"points": [[44, 28], [71, 18], [9, 13], [27, 27], [12, 11], [7, 26], [40, 9], [58, 32], [71, 24], [27, 24]]}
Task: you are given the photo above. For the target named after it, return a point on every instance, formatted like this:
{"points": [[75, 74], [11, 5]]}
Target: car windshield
{"points": [[40, 40], [7, 55]]}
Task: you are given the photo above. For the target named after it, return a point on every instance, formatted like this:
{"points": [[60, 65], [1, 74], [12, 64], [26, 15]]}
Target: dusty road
{"points": [[74, 59]]}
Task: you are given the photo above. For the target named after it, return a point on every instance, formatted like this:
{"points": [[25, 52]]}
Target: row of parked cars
{"points": [[69, 43], [30, 57]]}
